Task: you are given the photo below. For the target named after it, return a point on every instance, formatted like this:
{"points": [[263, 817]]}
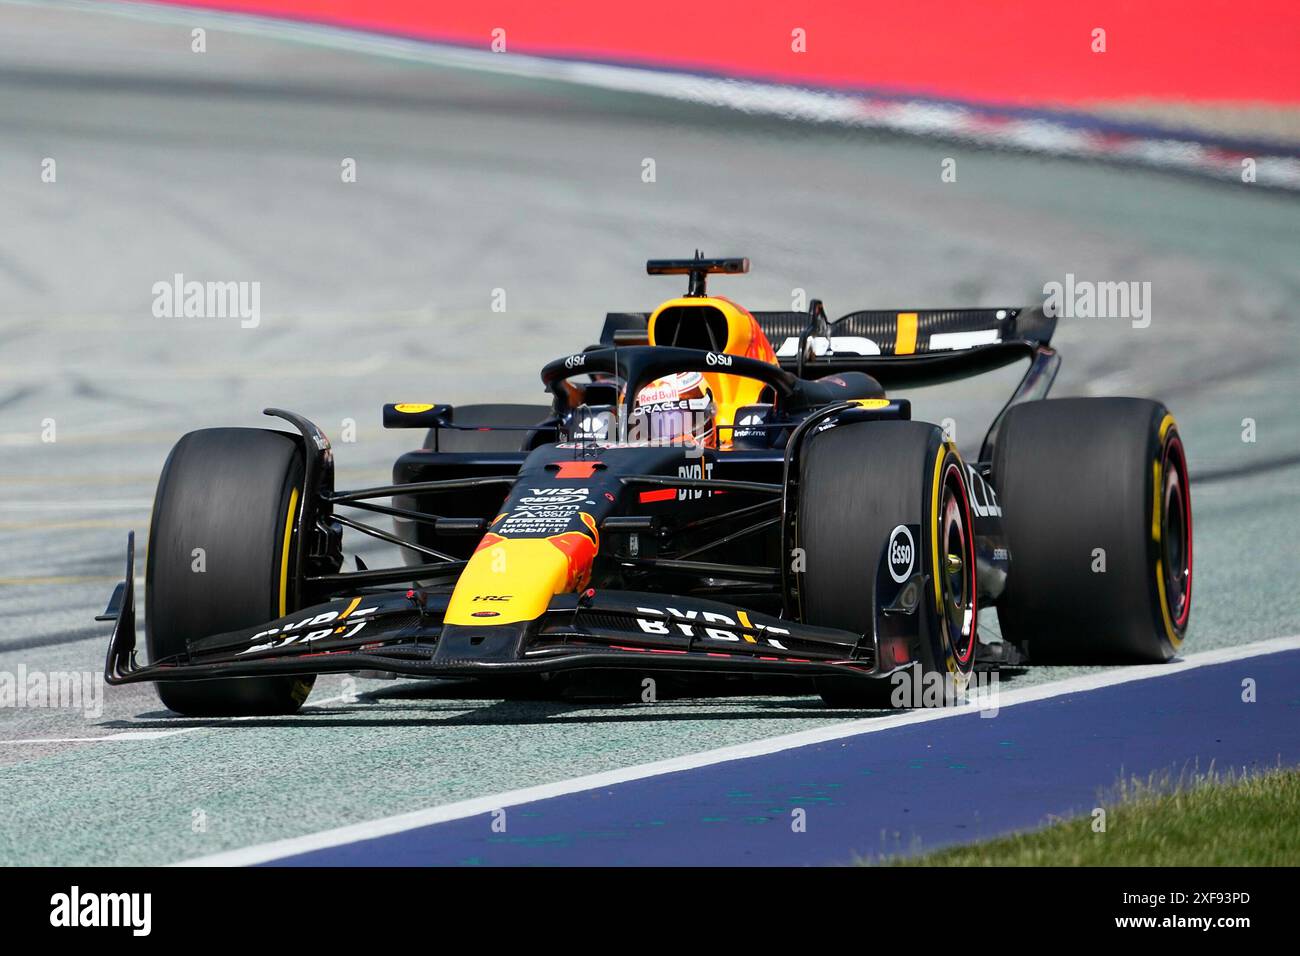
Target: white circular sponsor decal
{"points": [[901, 554]]}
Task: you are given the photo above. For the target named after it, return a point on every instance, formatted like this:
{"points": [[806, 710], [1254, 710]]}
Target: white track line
{"points": [[137, 735], [125, 735], [387, 826]]}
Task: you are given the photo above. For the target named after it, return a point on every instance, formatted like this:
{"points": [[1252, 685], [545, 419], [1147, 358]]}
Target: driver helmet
{"points": [[675, 409]]}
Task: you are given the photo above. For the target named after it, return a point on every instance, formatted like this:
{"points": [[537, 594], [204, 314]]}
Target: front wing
{"points": [[402, 633]]}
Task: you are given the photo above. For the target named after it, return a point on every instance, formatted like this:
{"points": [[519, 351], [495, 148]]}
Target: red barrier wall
{"points": [[1017, 52]]}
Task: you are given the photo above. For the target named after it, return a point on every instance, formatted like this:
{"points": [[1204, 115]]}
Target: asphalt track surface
{"points": [[888, 794], [226, 166]]}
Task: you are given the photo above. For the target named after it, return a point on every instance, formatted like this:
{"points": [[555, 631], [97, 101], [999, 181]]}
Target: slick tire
{"points": [[1098, 518], [857, 484], [515, 416], [221, 557]]}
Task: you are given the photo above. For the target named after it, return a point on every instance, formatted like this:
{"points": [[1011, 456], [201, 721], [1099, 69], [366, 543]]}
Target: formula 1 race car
{"points": [[710, 490]]}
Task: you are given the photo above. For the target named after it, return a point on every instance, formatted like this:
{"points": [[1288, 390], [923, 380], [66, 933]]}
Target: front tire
{"points": [[220, 558], [857, 484], [1098, 518]]}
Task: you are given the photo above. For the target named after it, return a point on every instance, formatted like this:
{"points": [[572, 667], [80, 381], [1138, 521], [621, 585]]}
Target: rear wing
{"points": [[898, 348]]}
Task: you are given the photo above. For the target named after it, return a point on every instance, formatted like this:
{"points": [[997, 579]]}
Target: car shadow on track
{"points": [[379, 710], [448, 703]]}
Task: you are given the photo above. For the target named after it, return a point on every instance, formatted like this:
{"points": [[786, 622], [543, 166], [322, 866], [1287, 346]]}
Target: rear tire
{"points": [[514, 416], [232, 492], [857, 484], [1097, 513]]}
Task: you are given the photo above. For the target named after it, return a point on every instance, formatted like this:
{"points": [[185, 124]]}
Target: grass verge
{"points": [[1212, 820]]}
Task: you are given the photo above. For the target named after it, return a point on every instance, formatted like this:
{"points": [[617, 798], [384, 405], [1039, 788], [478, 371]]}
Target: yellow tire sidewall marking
{"points": [[284, 552], [1157, 508]]}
